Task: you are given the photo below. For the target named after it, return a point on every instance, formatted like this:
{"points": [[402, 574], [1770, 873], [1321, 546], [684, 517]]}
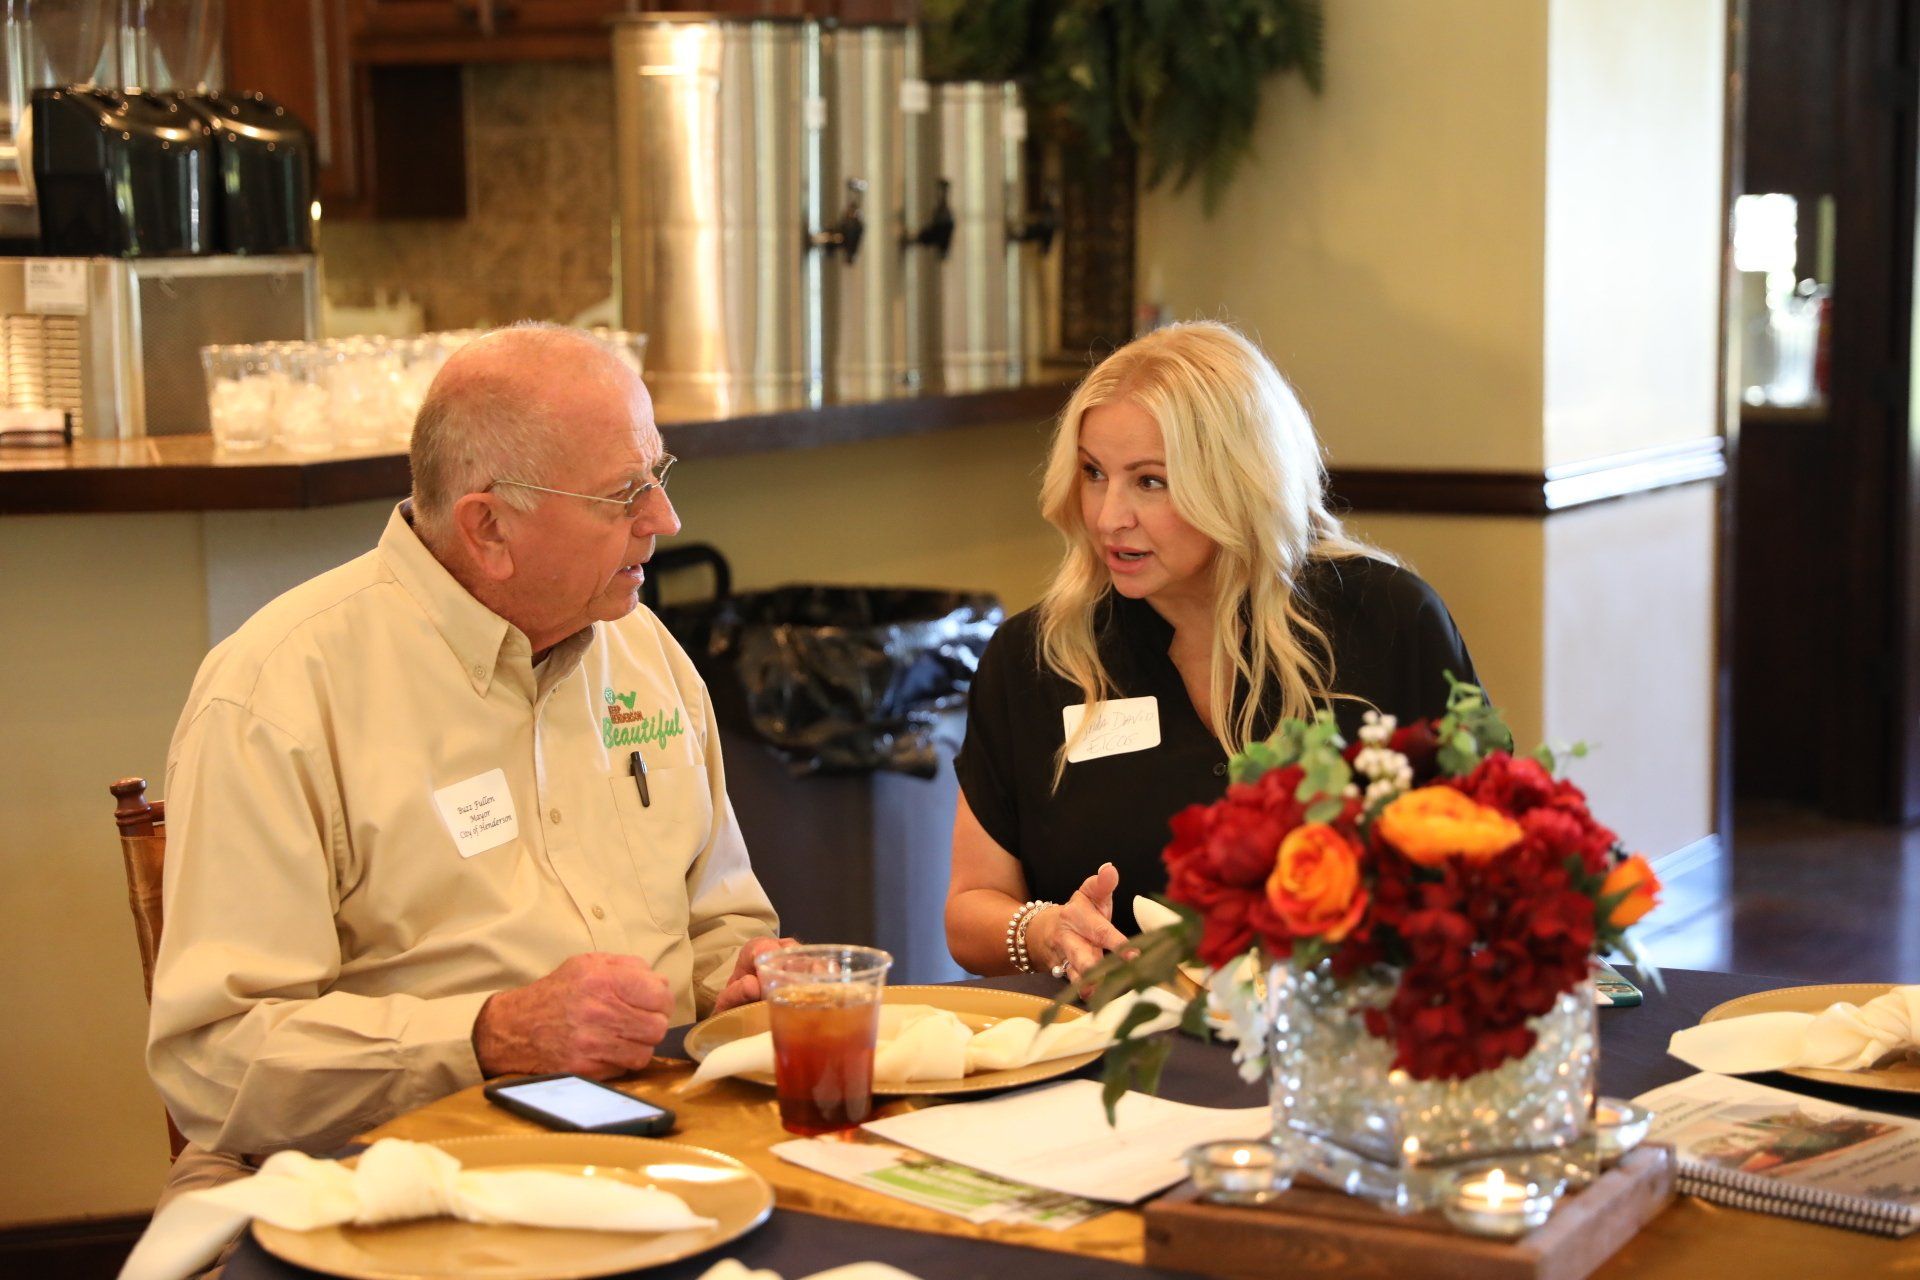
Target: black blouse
{"points": [[1391, 637]]}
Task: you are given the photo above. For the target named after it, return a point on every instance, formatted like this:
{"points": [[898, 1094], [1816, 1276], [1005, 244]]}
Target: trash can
{"points": [[840, 709]]}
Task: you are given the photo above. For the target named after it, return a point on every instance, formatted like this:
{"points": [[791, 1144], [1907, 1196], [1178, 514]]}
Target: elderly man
{"points": [[455, 808]]}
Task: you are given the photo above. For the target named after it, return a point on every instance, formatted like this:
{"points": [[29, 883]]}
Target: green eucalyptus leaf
{"points": [[1132, 1065], [1193, 1020], [1148, 960]]}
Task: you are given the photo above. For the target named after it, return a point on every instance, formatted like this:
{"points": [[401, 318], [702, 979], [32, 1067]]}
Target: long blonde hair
{"points": [[1244, 469]]}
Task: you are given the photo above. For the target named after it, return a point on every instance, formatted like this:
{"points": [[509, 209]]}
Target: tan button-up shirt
{"points": [[348, 879]]}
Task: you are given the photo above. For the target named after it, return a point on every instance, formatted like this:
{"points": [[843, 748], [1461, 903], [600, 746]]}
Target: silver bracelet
{"points": [[1017, 934]]}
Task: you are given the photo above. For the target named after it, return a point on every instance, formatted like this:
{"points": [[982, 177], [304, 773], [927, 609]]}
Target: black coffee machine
{"points": [[129, 173], [264, 160]]}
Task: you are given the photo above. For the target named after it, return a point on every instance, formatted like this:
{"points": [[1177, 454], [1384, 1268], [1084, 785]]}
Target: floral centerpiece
{"points": [[1400, 932]]}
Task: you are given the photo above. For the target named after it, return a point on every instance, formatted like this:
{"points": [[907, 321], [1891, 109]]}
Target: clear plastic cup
{"points": [[352, 373], [823, 1003], [240, 396], [302, 403]]}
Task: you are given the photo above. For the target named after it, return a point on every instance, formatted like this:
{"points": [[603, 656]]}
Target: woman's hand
{"points": [[1073, 938]]}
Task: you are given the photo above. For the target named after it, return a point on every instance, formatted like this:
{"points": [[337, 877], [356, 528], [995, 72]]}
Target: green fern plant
{"points": [[1180, 78]]}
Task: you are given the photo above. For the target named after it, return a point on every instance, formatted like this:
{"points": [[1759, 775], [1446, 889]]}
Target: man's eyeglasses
{"points": [[628, 499]]}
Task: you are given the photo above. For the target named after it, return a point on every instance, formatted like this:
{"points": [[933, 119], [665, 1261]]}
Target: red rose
{"points": [[1421, 748]]}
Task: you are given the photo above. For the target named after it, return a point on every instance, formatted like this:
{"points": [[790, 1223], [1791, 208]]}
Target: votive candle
{"points": [[1239, 1172], [1490, 1203], [1618, 1127]]}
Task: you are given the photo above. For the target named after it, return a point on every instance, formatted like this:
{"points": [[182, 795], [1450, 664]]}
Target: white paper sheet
{"points": [[1057, 1137]]}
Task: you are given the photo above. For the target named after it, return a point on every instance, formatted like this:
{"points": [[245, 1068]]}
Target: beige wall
{"points": [[1633, 224], [106, 622], [1628, 622], [1493, 243], [1490, 571], [1384, 241], [954, 509]]}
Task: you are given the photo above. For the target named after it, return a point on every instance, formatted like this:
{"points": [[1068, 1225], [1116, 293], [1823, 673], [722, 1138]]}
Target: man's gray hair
{"points": [[475, 429]]}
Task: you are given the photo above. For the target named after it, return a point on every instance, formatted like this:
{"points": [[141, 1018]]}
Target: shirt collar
{"points": [[1136, 625], [481, 639]]}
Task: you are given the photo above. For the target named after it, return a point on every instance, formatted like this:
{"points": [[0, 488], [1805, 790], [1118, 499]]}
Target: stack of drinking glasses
{"points": [[346, 393]]}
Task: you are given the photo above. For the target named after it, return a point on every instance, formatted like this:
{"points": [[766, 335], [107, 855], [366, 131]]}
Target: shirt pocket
{"points": [[664, 836]]}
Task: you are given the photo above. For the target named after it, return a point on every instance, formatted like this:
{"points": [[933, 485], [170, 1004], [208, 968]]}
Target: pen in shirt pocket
{"points": [[639, 770]]}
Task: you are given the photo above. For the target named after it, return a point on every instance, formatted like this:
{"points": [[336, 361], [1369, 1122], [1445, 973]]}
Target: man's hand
{"points": [[597, 1015], [1077, 936], [744, 986]]}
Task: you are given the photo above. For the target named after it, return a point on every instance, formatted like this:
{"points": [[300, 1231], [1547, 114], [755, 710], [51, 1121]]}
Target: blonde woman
{"points": [[1206, 592]]}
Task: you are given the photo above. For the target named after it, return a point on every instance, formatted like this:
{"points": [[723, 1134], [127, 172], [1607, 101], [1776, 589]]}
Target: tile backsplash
{"points": [[537, 241]]}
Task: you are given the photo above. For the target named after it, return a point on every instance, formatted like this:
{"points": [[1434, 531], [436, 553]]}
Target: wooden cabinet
{"points": [[408, 31], [294, 51], [388, 141]]}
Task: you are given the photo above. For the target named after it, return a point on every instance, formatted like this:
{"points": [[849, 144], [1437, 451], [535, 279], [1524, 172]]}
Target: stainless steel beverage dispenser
{"points": [[982, 126], [717, 126], [878, 142]]}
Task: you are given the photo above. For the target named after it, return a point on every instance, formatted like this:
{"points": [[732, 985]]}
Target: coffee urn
{"points": [[717, 129], [877, 151], [983, 280]]}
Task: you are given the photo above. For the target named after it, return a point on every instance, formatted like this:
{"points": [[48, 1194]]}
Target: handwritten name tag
{"points": [[1119, 726], [478, 812]]}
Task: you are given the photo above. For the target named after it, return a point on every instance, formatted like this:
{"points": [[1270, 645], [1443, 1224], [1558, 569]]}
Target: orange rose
{"points": [[1432, 824], [1635, 878], [1315, 885]]}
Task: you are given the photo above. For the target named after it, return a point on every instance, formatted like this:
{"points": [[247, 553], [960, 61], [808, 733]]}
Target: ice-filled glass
{"points": [[823, 1003], [240, 397]]}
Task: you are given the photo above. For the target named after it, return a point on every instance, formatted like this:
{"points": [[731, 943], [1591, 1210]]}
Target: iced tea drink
{"points": [[823, 1004]]}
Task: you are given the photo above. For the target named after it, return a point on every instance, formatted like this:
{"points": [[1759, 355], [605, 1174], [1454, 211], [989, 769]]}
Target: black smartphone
{"points": [[578, 1105]]}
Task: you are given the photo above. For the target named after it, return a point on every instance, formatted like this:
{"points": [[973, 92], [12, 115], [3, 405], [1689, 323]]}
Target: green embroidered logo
{"points": [[624, 727]]}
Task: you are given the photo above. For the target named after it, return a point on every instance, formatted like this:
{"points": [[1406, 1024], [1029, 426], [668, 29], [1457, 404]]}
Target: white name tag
{"points": [[1119, 726], [478, 812]]}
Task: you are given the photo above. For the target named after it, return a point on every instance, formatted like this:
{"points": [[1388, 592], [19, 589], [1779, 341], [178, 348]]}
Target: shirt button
{"points": [[1219, 771], [479, 672], [599, 913], [555, 815]]}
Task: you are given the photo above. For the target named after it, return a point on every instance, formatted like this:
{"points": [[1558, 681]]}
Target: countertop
{"points": [[186, 473]]}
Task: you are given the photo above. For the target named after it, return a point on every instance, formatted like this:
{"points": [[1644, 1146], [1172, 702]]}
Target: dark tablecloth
{"points": [[1633, 1059]]}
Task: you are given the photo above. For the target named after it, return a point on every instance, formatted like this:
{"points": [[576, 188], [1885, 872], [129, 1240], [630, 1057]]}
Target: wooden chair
{"points": [[143, 845]]}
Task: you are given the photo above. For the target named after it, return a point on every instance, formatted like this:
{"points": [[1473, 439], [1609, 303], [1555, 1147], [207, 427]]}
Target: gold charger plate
{"points": [[978, 1007], [1899, 1077], [713, 1185]]}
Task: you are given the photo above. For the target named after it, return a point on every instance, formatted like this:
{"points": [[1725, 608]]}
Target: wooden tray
{"points": [[1312, 1231]]}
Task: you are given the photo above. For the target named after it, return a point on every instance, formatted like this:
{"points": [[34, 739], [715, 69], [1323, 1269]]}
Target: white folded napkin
{"points": [[1150, 915], [1843, 1037], [733, 1269], [395, 1180], [919, 1042]]}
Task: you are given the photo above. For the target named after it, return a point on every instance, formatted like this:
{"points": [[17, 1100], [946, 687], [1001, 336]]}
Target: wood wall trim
{"points": [[1528, 493], [74, 1249]]}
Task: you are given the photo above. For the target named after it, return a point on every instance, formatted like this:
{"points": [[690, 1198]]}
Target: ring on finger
{"points": [[1060, 970]]}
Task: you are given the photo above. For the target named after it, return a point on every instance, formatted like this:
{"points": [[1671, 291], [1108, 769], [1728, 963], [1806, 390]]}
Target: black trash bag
{"points": [[836, 679]]}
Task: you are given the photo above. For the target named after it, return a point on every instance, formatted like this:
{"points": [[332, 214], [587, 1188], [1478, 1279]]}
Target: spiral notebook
{"points": [[1749, 1146]]}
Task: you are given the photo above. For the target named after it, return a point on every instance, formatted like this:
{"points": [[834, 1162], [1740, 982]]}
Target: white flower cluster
{"points": [[1235, 997], [1388, 773]]}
